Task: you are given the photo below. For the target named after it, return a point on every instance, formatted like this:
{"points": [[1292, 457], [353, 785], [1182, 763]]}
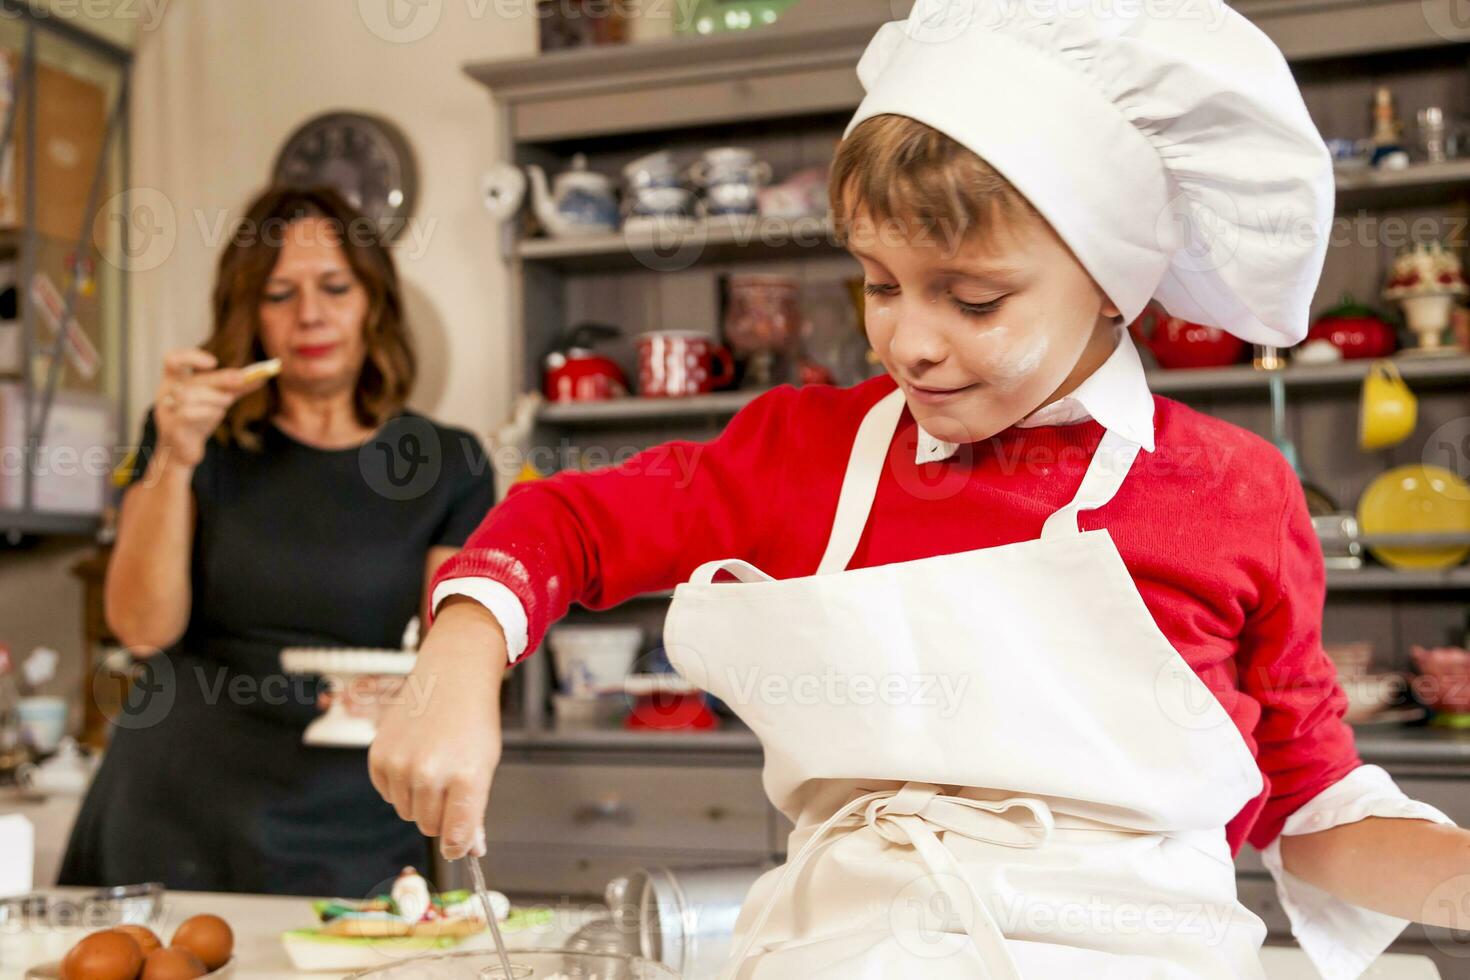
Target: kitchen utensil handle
{"points": [[727, 368], [608, 811], [477, 874]]}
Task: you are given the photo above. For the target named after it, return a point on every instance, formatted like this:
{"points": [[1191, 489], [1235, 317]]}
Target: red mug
{"points": [[676, 363]]}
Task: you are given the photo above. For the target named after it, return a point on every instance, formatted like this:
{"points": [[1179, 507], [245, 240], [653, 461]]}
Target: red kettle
{"points": [[576, 373]]}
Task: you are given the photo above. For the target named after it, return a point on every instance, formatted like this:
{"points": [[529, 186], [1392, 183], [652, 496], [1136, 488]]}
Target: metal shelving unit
{"points": [[26, 242]]}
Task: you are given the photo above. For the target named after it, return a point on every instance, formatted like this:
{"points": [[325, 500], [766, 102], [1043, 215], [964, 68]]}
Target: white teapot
{"points": [[582, 202]]}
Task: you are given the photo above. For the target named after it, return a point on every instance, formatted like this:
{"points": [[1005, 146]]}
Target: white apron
{"points": [[996, 763]]}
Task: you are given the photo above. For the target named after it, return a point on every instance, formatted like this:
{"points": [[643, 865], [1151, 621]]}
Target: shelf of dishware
{"points": [[1240, 378], [673, 247]]}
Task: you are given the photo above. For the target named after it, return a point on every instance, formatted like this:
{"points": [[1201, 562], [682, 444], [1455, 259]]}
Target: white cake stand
{"points": [[339, 667]]}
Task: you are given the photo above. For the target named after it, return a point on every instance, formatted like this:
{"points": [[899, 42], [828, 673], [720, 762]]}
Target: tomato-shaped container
{"points": [[1177, 343], [1355, 329]]}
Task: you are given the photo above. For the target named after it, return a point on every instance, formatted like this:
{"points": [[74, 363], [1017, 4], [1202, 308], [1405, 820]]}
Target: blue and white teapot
{"points": [[583, 202]]}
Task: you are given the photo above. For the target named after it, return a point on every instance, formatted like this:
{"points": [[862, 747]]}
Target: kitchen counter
{"points": [[258, 921]]}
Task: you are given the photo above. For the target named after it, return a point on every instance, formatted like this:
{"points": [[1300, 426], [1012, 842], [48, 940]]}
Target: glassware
{"points": [[761, 320], [538, 964], [1433, 133]]}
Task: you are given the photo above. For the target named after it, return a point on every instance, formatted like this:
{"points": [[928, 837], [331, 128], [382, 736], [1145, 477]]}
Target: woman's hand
{"points": [[191, 402], [437, 747]]}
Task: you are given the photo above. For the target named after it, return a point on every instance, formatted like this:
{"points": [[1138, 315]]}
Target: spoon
{"points": [[477, 874]]}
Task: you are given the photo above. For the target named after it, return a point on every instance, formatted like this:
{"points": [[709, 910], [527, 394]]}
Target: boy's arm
{"points": [[600, 537], [1319, 792], [1410, 869]]}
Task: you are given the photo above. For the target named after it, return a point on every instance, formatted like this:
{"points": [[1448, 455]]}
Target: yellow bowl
{"points": [[1417, 500]]}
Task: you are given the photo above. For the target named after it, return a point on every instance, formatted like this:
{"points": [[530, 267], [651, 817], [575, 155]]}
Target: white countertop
{"points": [[259, 920]]}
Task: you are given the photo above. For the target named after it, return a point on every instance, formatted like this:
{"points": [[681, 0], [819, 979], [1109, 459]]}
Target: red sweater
{"points": [[1212, 525]]}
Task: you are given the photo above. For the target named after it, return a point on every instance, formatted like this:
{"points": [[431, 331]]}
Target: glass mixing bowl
{"points": [[536, 964]]}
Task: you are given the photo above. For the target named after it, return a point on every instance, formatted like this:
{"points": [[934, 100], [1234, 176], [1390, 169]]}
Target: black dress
{"points": [[206, 784]]}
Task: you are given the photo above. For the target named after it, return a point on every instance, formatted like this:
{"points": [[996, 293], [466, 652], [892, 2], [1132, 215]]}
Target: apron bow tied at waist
{"points": [[909, 817], [911, 814]]}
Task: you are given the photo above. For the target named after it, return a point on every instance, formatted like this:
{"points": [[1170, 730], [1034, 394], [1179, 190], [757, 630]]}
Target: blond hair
{"points": [[896, 169]]}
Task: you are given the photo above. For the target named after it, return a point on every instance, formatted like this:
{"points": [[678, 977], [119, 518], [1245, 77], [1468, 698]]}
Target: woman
{"points": [[1031, 652], [306, 510]]}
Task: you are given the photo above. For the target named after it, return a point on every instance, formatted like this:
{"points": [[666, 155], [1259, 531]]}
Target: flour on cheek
{"points": [[1015, 360]]}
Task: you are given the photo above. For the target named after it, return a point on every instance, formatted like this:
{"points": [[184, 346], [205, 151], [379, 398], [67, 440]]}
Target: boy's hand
{"points": [[435, 753]]}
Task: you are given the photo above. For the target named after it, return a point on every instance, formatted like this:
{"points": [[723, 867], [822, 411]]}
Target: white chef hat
{"points": [[1164, 140]]}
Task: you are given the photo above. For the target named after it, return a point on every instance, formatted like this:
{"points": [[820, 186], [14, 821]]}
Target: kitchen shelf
{"points": [[1425, 371], [1418, 182], [618, 411], [1409, 744], [13, 522], [1343, 374], [1375, 579], [750, 239], [1368, 579], [674, 248], [732, 738]]}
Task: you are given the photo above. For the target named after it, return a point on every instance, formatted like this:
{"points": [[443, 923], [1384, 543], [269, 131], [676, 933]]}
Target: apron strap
{"points": [[909, 816], [1106, 472], [743, 570], [860, 482], [1105, 475]]}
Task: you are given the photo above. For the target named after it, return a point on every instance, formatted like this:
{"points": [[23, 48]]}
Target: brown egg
{"points": [[207, 937], [104, 955], [146, 939], [172, 963]]}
